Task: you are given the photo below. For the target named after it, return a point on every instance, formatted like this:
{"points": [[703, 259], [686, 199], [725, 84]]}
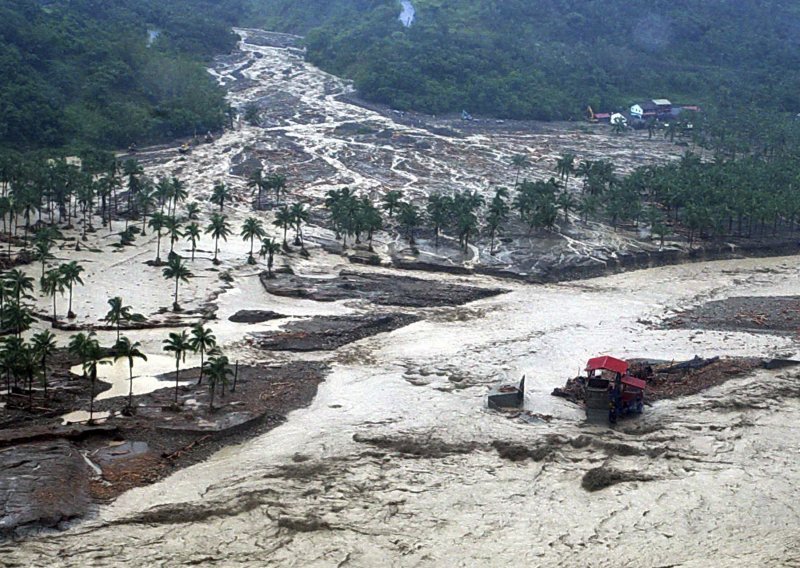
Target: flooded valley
{"points": [[397, 460]]}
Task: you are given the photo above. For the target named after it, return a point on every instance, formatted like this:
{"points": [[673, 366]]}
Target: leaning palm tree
{"points": [[125, 349], [118, 313], [269, 248], [202, 341], [252, 229], [178, 343], [217, 370], [177, 269], [192, 234], [218, 228], [44, 344], [71, 274]]}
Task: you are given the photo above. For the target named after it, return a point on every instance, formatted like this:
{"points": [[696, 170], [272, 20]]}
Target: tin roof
{"points": [[634, 382], [662, 102], [608, 363]]}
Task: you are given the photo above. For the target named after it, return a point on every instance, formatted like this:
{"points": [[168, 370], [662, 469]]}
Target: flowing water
{"points": [[245, 504], [718, 470]]}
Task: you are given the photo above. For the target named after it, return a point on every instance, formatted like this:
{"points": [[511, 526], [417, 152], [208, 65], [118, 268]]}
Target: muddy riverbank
{"points": [[100, 461]]}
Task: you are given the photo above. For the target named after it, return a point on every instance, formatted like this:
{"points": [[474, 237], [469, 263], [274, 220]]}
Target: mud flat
{"points": [[754, 314], [380, 289], [98, 463], [330, 332]]}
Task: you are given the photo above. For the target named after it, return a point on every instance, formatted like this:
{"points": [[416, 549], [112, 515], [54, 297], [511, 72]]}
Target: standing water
{"points": [[408, 13]]}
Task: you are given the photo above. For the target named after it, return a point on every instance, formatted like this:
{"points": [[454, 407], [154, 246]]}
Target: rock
{"points": [[255, 316], [43, 483], [329, 333]]}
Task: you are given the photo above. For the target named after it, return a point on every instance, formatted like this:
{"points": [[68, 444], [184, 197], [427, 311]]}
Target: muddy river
{"points": [[393, 462]]}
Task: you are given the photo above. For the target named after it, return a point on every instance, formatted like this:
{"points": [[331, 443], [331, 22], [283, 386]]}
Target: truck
{"points": [[610, 391]]}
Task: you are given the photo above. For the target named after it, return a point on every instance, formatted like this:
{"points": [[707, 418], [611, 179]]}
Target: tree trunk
{"points": [[130, 391], [177, 375]]}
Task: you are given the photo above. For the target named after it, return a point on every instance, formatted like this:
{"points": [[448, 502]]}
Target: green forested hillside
{"points": [[88, 72], [548, 59]]}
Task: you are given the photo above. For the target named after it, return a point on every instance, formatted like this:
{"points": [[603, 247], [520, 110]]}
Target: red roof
{"points": [[607, 363], [634, 382]]}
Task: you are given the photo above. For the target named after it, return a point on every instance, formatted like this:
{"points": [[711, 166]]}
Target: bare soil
{"points": [[130, 451], [380, 289], [754, 314], [327, 333]]}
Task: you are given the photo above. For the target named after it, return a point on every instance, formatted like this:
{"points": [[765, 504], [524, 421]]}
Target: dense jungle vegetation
{"points": [[549, 59], [95, 73]]}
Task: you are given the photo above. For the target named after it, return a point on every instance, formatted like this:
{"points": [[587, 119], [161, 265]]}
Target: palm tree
{"points": [[25, 364], [18, 318], [299, 215], [440, 209], [565, 166], [178, 343], [498, 214], [251, 229], [409, 218], [71, 274], [277, 182], [391, 201], [44, 344], [269, 248], [125, 349], [118, 313], [88, 350], [220, 194], [257, 182], [52, 283], [173, 227], [157, 222], [284, 220], [192, 234], [19, 283], [179, 194], [566, 201], [41, 253], [177, 270], [218, 228], [202, 341], [145, 200], [520, 162], [193, 210], [217, 370]]}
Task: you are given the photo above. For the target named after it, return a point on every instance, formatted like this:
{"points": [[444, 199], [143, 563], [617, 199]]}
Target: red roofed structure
{"points": [[607, 363]]}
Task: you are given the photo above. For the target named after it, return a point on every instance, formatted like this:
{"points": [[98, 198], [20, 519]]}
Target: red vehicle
{"points": [[611, 392]]}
